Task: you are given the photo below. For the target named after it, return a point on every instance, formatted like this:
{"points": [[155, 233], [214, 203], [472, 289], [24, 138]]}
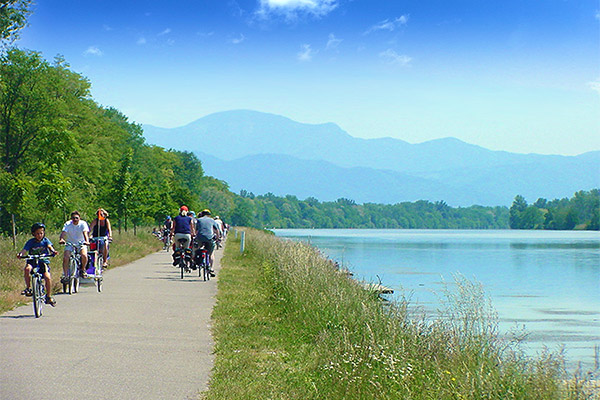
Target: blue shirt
{"points": [[182, 224], [38, 248]]}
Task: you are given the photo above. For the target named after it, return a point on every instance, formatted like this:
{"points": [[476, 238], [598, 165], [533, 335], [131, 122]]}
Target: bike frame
{"points": [[37, 283]]}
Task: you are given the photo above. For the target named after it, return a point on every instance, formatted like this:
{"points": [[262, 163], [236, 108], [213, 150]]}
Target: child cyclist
{"points": [[38, 245]]}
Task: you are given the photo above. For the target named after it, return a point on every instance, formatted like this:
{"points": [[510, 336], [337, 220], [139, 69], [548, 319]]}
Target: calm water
{"points": [[546, 282]]}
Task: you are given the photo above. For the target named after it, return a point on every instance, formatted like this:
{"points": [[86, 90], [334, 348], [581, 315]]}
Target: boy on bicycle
{"points": [[38, 245]]}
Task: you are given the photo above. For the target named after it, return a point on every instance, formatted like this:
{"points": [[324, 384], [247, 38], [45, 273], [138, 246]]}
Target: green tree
{"points": [[519, 206], [122, 190], [13, 17]]}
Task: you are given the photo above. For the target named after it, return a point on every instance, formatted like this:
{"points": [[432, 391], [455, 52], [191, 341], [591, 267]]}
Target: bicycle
{"points": [[37, 282], [166, 239], [95, 266], [71, 282], [202, 259], [183, 256]]}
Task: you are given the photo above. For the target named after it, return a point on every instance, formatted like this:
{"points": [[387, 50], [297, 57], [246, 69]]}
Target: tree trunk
{"points": [[14, 231]]}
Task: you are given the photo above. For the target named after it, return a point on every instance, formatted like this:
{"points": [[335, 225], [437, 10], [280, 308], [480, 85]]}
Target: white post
{"points": [[243, 242]]}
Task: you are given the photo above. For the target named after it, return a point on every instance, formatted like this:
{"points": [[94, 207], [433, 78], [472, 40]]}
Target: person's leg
{"points": [[48, 282], [84, 257], [211, 251], [27, 275], [105, 252], [66, 257]]}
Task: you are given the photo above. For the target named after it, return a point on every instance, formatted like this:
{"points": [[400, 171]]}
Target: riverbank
{"points": [[287, 325], [125, 248]]}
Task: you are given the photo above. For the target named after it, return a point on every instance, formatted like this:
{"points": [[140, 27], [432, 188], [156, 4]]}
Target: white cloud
{"points": [[595, 85], [141, 41], [391, 57], [306, 54], [238, 40], [332, 42], [165, 32], [389, 25], [93, 51], [292, 8]]}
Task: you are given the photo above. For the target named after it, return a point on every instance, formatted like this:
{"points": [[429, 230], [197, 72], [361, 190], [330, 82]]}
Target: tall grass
{"points": [[289, 326], [126, 247]]}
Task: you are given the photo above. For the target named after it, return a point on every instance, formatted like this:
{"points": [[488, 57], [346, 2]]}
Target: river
{"points": [[545, 283]]}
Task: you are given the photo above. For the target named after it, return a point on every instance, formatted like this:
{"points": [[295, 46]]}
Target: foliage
{"points": [[288, 212], [582, 211], [13, 17]]}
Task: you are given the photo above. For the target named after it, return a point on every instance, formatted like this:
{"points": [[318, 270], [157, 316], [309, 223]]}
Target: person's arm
{"points": [[22, 253], [61, 239], [108, 229], [52, 250], [173, 227], [86, 234], [193, 227]]}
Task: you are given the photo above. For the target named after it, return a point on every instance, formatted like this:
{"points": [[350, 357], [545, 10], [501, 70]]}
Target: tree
{"points": [[122, 189], [13, 17], [519, 205]]}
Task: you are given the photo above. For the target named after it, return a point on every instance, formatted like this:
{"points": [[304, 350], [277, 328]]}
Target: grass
{"points": [[126, 247], [289, 326]]}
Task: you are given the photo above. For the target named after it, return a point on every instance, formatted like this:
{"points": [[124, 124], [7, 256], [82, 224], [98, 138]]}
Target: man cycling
{"points": [[208, 231], [75, 231], [166, 229]]}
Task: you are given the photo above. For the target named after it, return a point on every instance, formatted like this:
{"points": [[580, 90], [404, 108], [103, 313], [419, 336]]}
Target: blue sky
{"points": [[514, 75]]}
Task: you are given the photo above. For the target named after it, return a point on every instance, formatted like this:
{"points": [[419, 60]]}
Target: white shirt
{"points": [[75, 232]]}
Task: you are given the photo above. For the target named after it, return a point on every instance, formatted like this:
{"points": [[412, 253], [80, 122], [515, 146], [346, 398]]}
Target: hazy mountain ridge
{"points": [[263, 153]]}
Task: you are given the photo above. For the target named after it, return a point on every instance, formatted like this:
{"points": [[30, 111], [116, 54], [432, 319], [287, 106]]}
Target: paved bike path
{"points": [[146, 336]]}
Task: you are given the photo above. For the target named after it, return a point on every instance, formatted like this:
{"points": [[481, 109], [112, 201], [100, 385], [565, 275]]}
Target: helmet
{"points": [[168, 217], [192, 214], [206, 211], [37, 226], [183, 208]]}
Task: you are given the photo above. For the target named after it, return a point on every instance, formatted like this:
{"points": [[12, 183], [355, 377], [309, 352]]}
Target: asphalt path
{"points": [[146, 336]]}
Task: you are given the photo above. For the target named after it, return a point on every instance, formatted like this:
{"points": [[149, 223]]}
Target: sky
{"points": [[514, 75]]}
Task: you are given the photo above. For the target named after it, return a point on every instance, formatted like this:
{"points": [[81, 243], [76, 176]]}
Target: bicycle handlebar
{"points": [[35, 256]]}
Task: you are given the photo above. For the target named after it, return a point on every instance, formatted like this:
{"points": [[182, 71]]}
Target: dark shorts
{"points": [[44, 265], [209, 245]]}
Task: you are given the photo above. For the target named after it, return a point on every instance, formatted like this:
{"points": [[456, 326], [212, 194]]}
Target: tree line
{"points": [[582, 211], [289, 212]]}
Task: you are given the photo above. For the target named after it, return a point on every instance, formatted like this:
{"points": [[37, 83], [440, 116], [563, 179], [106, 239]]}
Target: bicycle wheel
{"points": [[38, 300], [98, 271], [181, 265], [72, 272]]}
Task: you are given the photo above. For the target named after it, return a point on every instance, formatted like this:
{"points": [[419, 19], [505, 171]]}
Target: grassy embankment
{"points": [[125, 248], [288, 326]]}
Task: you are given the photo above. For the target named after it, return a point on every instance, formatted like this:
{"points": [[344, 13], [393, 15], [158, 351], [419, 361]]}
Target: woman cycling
{"points": [[101, 229]]}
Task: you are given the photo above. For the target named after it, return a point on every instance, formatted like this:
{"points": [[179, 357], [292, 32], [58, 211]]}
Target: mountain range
{"points": [[262, 153]]}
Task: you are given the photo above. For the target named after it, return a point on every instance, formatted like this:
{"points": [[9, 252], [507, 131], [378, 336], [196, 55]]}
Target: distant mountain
{"points": [[263, 153], [283, 175]]}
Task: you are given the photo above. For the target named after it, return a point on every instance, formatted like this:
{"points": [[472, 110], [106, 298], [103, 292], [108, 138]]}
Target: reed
{"points": [[288, 325]]}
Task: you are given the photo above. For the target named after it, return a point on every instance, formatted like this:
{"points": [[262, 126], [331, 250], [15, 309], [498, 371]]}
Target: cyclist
{"points": [[75, 231], [38, 245], [182, 228], [100, 227], [166, 229], [208, 231]]}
